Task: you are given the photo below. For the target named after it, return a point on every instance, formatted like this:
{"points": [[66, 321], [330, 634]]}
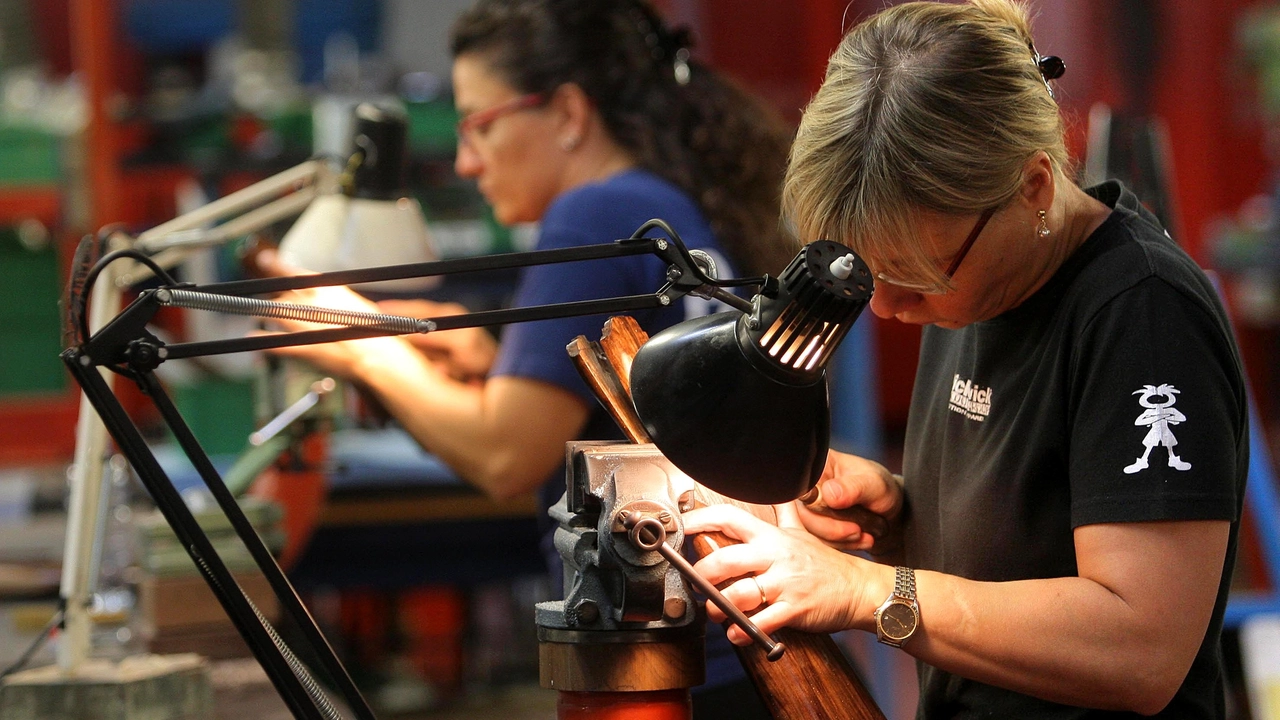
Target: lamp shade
{"points": [[739, 401], [377, 223]]}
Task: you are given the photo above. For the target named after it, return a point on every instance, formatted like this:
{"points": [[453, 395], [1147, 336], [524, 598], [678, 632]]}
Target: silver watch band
{"points": [[904, 583]]}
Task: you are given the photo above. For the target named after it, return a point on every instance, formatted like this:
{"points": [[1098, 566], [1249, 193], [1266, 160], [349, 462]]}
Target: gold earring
{"points": [[1043, 230]]}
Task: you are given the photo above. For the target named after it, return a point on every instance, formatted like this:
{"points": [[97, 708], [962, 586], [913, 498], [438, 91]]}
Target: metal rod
{"points": [[619, 248], [319, 389], [450, 322], [255, 194], [257, 307], [284, 590], [85, 492]]}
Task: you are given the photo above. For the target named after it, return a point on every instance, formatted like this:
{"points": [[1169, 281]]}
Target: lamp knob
{"points": [[842, 267]]}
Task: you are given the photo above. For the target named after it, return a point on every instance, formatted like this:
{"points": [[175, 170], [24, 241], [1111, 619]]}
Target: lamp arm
{"points": [[178, 245], [477, 319], [504, 261], [261, 204], [303, 174], [125, 340]]}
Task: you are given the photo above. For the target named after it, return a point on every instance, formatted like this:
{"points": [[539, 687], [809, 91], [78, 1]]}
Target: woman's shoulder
{"points": [[633, 183], [1133, 257], [623, 202]]}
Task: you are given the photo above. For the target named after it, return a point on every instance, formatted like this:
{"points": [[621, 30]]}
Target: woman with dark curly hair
{"points": [[591, 118]]}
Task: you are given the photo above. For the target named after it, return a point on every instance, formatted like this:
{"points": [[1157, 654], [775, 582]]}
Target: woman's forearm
{"points": [[1120, 636]]}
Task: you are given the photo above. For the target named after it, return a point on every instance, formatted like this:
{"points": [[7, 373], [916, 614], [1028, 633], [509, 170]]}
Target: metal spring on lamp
{"points": [[255, 307], [300, 670]]}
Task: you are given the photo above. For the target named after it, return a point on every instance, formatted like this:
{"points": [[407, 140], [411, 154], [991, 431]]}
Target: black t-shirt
{"points": [[1114, 394]]}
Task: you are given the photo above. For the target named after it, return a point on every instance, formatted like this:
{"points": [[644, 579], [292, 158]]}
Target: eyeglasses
{"points": [[480, 120], [943, 287]]}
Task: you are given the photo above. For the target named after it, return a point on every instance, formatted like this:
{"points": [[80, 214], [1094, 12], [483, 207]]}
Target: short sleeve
{"points": [[1156, 411], [536, 350]]}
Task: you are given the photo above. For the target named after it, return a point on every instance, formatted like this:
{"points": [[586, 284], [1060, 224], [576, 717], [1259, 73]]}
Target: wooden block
{"points": [[143, 687], [215, 641], [186, 601]]}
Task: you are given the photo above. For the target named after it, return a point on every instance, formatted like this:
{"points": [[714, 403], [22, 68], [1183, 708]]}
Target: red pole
{"points": [[93, 29], [647, 705]]}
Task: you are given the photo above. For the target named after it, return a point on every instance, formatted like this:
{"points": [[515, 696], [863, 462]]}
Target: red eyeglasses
{"points": [[480, 120]]}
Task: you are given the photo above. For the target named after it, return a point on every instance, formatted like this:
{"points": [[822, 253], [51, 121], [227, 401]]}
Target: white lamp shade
{"points": [[337, 232]]}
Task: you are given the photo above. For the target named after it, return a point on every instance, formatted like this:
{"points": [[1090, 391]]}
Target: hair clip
{"points": [[1051, 66]]}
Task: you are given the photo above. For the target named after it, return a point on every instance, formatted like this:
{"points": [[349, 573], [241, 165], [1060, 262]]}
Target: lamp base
{"points": [[143, 686]]}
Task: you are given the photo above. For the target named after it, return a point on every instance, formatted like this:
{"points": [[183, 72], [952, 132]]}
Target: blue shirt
{"points": [[588, 215]]}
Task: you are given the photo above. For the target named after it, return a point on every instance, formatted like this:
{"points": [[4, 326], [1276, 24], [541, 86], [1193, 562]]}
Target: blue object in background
{"points": [[854, 387], [315, 21], [1263, 501], [167, 27]]}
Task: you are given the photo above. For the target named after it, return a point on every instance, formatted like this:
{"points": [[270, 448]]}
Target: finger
{"points": [[769, 619], [838, 533], [270, 263], [827, 527], [412, 308], [745, 595], [714, 613], [749, 593], [839, 492], [829, 468], [734, 522], [733, 561]]}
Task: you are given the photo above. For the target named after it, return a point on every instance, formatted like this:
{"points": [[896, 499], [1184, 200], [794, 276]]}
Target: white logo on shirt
{"points": [[1158, 416], [969, 400]]}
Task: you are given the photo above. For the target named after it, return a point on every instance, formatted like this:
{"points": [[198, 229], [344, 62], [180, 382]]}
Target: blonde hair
{"points": [[925, 106]]}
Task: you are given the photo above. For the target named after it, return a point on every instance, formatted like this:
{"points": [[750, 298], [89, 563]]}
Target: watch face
{"points": [[898, 621]]}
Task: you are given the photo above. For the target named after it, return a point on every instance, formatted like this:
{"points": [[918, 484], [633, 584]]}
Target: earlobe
{"points": [[575, 108]]}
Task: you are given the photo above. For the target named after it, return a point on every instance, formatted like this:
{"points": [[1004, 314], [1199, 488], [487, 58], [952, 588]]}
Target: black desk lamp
{"points": [[737, 400]]}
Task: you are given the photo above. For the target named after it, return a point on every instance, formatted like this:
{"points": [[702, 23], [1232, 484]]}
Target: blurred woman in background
{"points": [[590, 118]]}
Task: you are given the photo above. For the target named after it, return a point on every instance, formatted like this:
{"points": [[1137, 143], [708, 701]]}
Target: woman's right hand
{"points": [[464, 353], [784, 573], [846, 481]]}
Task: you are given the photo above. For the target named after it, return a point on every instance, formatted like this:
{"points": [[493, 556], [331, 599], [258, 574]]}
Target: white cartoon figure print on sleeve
{"points": [[1159, 415]]}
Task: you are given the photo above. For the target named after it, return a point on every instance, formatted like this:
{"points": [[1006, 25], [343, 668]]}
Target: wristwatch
{"points": [[899, 616]]}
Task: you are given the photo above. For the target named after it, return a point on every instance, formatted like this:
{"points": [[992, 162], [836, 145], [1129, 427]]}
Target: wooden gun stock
{"points": [[813, 679]]}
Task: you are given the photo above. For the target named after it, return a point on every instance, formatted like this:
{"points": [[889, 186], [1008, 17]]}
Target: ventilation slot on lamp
{"points": [[822, 292]]}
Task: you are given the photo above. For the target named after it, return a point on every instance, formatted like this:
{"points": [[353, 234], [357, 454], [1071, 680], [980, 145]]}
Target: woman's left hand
{"points": [[804, 583]]}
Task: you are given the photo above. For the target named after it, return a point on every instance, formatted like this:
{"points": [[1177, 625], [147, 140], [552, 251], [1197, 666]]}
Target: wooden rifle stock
{"points": [[813, 679]]}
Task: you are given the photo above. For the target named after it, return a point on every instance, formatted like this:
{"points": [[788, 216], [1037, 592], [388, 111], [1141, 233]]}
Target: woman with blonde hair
{"points": [[1049, 558]]}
